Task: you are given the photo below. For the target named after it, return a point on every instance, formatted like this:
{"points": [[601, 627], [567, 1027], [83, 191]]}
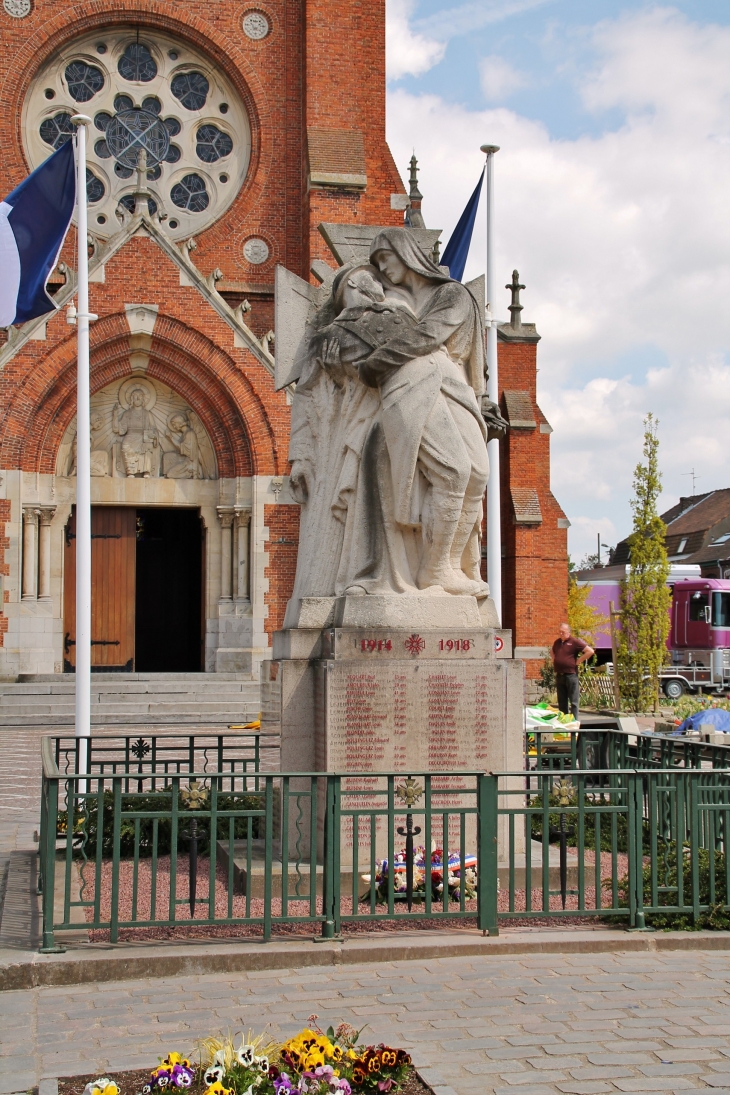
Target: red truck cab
{"points": [[699, 637]]}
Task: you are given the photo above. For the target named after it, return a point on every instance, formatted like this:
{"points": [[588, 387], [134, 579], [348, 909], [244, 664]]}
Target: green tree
{"points": [[585, 621], [645, 596]]}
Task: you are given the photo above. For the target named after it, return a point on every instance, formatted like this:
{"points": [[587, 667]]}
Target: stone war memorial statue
{"points": [[388, 449], [387, 660]]}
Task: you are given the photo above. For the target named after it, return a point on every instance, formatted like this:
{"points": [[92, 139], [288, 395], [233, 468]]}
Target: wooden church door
{"points": [[113, 542]]}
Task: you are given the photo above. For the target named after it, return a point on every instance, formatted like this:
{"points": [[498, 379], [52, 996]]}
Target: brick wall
{"points": [[534, 556], [282, 522], [192, 351]]}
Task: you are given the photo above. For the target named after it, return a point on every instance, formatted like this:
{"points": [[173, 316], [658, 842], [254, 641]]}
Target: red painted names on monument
{"points": [[410, 714]]}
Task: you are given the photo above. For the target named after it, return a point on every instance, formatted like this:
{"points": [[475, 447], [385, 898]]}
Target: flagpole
{"points": [[83, 464], [494, 516]]}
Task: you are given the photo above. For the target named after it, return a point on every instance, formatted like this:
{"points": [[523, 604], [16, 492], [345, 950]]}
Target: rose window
{"points": [[150, 94]]}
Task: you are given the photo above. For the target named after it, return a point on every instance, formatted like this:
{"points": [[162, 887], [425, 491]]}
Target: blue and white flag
{"points": [[34, 220], [457, 249]]}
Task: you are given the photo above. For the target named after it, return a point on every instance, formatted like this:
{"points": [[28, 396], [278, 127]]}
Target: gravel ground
{"points": [[186, 927]]}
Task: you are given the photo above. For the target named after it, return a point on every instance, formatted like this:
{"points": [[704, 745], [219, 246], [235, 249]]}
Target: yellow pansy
{"points": [[102, 1086]]}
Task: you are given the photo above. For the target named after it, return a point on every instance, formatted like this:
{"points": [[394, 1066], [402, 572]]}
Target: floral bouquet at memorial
{"points": [[454, 880], [311, 1063]]}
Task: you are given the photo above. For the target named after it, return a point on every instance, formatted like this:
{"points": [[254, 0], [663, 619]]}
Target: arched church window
{"points": [[57, 130], [137, 64], [190, 194], [128, 203], [131, 131], [84, 81], [94, 187], [149, 92], [212, 144], [191, 88]]}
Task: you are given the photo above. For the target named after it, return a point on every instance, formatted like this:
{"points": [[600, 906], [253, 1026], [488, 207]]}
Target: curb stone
{"points": [[124, 962]]}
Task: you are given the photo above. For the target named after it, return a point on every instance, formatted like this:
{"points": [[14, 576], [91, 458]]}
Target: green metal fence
{"points": [[159, 755], [142, 840], [598, 747], [135, 844]]}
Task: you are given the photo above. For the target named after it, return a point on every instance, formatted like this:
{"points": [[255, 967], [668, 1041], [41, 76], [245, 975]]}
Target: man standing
{"points": [[568, 653]]}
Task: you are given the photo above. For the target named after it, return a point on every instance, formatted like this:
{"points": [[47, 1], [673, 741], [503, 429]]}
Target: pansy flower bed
{"points": [[314, 1062], [421, 872]]}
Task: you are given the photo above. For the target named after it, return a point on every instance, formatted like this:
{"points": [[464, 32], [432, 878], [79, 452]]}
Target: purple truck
{"points": [[699, 636]]}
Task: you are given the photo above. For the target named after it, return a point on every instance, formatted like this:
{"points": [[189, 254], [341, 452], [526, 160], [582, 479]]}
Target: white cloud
{"points": [[407, 53], [623, 241], [498, 78], [582, 537], [413, 46], [473, 15]]}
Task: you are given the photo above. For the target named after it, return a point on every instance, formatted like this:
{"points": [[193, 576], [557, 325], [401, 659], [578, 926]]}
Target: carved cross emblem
{"points": [[564, 791], [195, 796], [415, 644], [409, 792]]}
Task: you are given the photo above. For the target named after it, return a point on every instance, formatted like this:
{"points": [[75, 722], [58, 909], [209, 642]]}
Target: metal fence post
{"points": [[636, 851], [116, 839], [48, 865], [487, 853], [331, 873], [694, 843], [269, 858]]}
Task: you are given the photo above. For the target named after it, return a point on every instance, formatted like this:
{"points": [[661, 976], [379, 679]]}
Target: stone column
{"points": [[44, 553], [243, 521], [226, 518], [30, 553]]}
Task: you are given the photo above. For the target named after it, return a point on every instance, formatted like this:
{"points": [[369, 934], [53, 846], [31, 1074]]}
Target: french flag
{"points": [[34, 220]]}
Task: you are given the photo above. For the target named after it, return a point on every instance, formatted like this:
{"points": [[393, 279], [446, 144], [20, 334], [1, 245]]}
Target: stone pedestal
{"points": [[377, 699]]}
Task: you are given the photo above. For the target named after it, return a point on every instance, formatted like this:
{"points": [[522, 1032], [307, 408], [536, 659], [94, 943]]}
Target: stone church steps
{"points": [[131, 699]]}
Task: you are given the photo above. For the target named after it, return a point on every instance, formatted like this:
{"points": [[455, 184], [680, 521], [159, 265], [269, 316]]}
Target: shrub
{"points": [[714, 918], [135, 804]]}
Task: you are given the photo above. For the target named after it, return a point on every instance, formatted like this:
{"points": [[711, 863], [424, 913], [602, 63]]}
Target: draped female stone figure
{"points": [[388, 443]]}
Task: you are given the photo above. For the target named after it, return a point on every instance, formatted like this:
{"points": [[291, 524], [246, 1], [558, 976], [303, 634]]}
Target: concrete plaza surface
{"points": [[581, 1024]]}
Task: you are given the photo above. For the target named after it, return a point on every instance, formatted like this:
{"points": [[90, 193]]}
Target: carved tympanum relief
{"points": [[142, 429]]}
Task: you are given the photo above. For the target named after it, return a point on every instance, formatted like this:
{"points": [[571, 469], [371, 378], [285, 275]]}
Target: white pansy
{"points": [[246, 1055]]}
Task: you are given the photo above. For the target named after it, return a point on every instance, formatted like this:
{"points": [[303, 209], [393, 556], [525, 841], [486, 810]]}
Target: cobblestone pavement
{"points": [[20, 794], [534, 1025]]}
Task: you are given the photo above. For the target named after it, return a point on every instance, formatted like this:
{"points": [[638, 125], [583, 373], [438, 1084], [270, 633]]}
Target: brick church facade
{"points": [[252, 137]]}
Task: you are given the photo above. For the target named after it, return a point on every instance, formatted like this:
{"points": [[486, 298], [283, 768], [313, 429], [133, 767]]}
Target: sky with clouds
{"points": [[613, 201]]}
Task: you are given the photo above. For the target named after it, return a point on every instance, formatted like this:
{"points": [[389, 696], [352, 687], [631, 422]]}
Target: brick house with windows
{"points": [[222, 136]]}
